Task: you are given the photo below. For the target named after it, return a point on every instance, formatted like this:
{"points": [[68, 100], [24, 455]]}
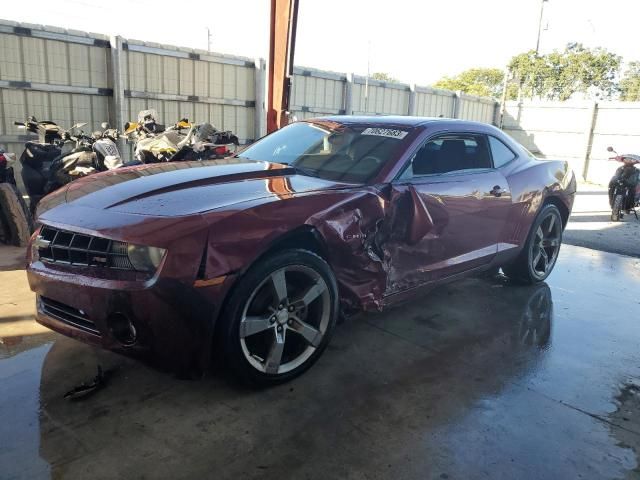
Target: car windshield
{"points": [[331, 151]]}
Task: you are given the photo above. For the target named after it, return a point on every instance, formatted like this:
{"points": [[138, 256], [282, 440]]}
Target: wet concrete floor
{"points": [[480, 379]]}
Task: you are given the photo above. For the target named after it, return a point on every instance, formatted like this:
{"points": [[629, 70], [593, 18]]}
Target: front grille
{"points": [[67, 314], [61, 246]]}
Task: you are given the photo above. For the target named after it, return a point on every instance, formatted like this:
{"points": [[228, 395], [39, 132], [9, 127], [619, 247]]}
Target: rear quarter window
{"points": [[500, 152]]}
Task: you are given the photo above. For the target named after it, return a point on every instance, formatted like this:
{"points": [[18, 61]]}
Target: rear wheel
{"points": [[540, 252], [15, 221], [616, 210], [280, 317]]}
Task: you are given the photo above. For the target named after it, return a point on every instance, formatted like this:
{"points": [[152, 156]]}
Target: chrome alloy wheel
{"points": [[545, 246], [285, 319]]}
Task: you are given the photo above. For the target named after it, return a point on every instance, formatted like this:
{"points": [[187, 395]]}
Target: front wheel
{"points": [[616, 210], [540, 252], [280, 317]]}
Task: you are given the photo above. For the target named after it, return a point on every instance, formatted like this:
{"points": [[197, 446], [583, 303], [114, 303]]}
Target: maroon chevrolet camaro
{"points": [[252, 258]]}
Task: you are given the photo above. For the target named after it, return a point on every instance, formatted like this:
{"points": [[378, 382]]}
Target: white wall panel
{"points": [[37, 105], [79, 66], [34, 63], [57, 62], [136, 70], [170, 75], [61, 109], [186, 76], [153, 73], [13, 106], [98, 67], [201, 79], [216, 80], [11, 61]]}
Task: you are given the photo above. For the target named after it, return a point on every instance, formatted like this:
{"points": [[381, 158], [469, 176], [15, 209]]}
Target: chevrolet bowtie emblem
{"points": [[41, 242]]}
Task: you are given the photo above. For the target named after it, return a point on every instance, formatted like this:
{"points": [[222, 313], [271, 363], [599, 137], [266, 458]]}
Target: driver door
{"points": [[449, 208]]}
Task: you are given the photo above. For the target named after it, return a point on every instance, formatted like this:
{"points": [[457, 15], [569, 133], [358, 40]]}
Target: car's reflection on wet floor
{"points": [[479, 378]]}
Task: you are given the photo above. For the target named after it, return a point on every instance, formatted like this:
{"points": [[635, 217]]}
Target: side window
{"points": [[500, 152], [450, 153]]}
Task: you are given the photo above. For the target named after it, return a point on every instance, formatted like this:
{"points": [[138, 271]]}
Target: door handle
{"points": [[496, 191]]}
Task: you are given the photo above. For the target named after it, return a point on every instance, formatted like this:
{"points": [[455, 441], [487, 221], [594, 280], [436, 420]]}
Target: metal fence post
{"points": [[117, 113], [412, 100], [591, 123], [260, 126], [457, 98], [348, 94], [498, 113]]}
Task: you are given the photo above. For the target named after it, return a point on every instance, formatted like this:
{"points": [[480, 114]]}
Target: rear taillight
{"points": [[3, 162], [221, 150]]}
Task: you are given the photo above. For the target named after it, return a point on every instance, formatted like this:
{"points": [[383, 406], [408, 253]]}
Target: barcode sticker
{"points": [[385, 132]]}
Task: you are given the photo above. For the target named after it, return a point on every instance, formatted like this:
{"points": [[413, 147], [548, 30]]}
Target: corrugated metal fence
{"points": [[579, 132], [69, 76], [317, 92]]}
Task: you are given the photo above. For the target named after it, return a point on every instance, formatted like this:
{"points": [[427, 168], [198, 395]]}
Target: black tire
{"points": [[15, 220], [246, 365], [523, 269], [616, 209]]}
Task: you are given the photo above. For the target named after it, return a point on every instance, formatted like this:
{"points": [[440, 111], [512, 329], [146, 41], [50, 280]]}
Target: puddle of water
{"points": [[20, 414]]}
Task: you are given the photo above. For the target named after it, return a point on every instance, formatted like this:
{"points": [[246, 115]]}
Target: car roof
{"points": [[393, 120]]}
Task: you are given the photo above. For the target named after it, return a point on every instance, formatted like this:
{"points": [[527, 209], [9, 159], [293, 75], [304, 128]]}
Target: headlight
{"points": [[145, 259]]}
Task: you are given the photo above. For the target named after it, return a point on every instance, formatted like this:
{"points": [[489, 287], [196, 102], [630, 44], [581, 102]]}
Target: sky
{"points": [[414, 41]]}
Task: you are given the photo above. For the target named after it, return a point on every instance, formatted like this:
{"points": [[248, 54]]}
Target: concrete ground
{"points": [[590, 224], [479, 379]]}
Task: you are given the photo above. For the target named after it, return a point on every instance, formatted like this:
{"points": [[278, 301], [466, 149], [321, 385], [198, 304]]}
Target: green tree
{"points": [[383, 76], [484, 82], [560, 75], [630, 83]]}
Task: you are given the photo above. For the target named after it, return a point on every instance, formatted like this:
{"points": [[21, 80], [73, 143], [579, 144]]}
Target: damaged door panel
{"points": [[443, 225], [414, 232], [352, 232]]}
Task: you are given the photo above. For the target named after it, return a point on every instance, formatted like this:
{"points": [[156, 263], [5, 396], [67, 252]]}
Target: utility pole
{"points": [[542, 2], [209, 37], [503, 100]]}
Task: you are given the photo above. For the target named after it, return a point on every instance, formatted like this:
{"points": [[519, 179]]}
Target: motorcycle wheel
{"points": [[616, 209], [15, 220]]}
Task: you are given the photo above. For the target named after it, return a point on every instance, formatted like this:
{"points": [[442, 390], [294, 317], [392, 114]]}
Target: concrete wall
{"points": [[579, 132]]}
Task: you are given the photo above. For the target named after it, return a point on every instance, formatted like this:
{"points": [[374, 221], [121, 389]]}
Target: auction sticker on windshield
{"points": [[385, 132]]}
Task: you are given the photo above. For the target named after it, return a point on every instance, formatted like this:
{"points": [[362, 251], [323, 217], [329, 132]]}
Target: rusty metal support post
{"points": [[284, 15]]}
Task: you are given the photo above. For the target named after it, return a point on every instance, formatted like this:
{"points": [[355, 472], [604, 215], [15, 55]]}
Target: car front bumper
{"points": [[173, 322]]}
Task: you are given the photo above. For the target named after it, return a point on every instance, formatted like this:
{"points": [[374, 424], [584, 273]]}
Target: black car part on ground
{"points": [[15, 220]]}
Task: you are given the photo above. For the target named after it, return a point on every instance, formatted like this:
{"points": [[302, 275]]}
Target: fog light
{"points": [[145, 259], [122, 329]]}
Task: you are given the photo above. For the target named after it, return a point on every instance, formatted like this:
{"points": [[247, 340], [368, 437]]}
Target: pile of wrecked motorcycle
{"points": [[61, 156]]}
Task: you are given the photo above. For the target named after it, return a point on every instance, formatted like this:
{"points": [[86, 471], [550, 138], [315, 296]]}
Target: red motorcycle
{"points": [[624, 187]]}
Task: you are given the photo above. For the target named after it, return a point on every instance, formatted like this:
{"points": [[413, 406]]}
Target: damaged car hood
{"points": [[185, 188]]}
